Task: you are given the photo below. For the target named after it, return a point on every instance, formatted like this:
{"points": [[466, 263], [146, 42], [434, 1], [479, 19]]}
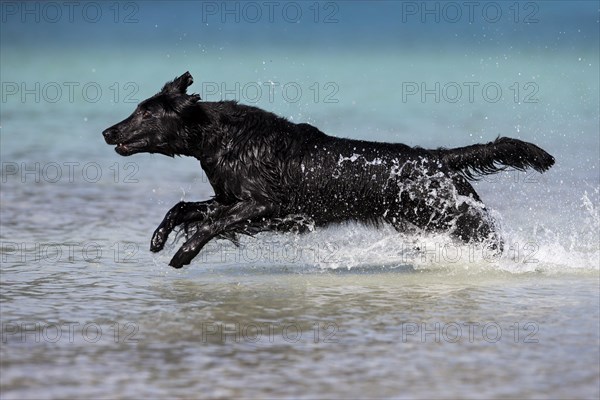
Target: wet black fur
{"points": [[272, 174]]}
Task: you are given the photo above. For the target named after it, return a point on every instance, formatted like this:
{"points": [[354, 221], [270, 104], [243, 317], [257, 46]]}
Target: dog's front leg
{"points": [[180, 213], [225, 219]]}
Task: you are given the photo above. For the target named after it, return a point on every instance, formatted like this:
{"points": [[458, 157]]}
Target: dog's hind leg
{"points": [[475, 225], [180, 213], [443, 204], [226, 219], [472, 222]]}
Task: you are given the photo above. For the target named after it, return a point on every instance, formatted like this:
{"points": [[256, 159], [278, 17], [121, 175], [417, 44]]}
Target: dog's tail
{"points": [[485, 159]]}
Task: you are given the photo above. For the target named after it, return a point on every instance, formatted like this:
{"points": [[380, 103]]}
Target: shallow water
{"points": [[345, 311], [258, 331]]}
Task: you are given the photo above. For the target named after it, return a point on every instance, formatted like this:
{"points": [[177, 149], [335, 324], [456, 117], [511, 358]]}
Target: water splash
{"points": [[540, 246]]}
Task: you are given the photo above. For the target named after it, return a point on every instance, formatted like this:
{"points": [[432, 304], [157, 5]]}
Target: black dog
{"points": [[271, 174]]}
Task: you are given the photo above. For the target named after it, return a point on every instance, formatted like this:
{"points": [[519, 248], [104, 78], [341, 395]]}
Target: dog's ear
{"points": [[178, 85], [184, 103]]}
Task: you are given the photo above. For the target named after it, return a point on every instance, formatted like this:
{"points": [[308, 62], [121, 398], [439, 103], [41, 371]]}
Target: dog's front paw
{"points": [[181, 258], [157, 243], [187, 252]]}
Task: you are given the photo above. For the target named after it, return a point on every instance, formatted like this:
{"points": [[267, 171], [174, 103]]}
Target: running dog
{"points": [[270, 174]]}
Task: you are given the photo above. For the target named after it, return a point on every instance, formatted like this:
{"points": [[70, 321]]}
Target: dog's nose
{"points": [[109, 134]]}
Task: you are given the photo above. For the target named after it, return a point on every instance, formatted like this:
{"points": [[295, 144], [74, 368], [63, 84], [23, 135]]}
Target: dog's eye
{"points": [[146, 114]]}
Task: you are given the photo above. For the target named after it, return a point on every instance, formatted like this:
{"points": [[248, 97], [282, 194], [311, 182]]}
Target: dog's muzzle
{"points": [[110, 135]]}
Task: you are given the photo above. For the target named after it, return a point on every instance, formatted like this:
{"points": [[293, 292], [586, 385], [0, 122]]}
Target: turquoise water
{"points": [[345, 311]]}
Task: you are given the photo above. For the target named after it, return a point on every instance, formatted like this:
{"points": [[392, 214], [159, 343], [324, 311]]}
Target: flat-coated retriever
{"points": [[272, 174]]}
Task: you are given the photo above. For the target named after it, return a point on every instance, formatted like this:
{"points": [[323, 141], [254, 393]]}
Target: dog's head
{"points": [[157, 123]]}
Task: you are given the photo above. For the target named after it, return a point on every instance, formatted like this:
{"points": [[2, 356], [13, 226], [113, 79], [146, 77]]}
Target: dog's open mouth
{"points": [[127, 149]]}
